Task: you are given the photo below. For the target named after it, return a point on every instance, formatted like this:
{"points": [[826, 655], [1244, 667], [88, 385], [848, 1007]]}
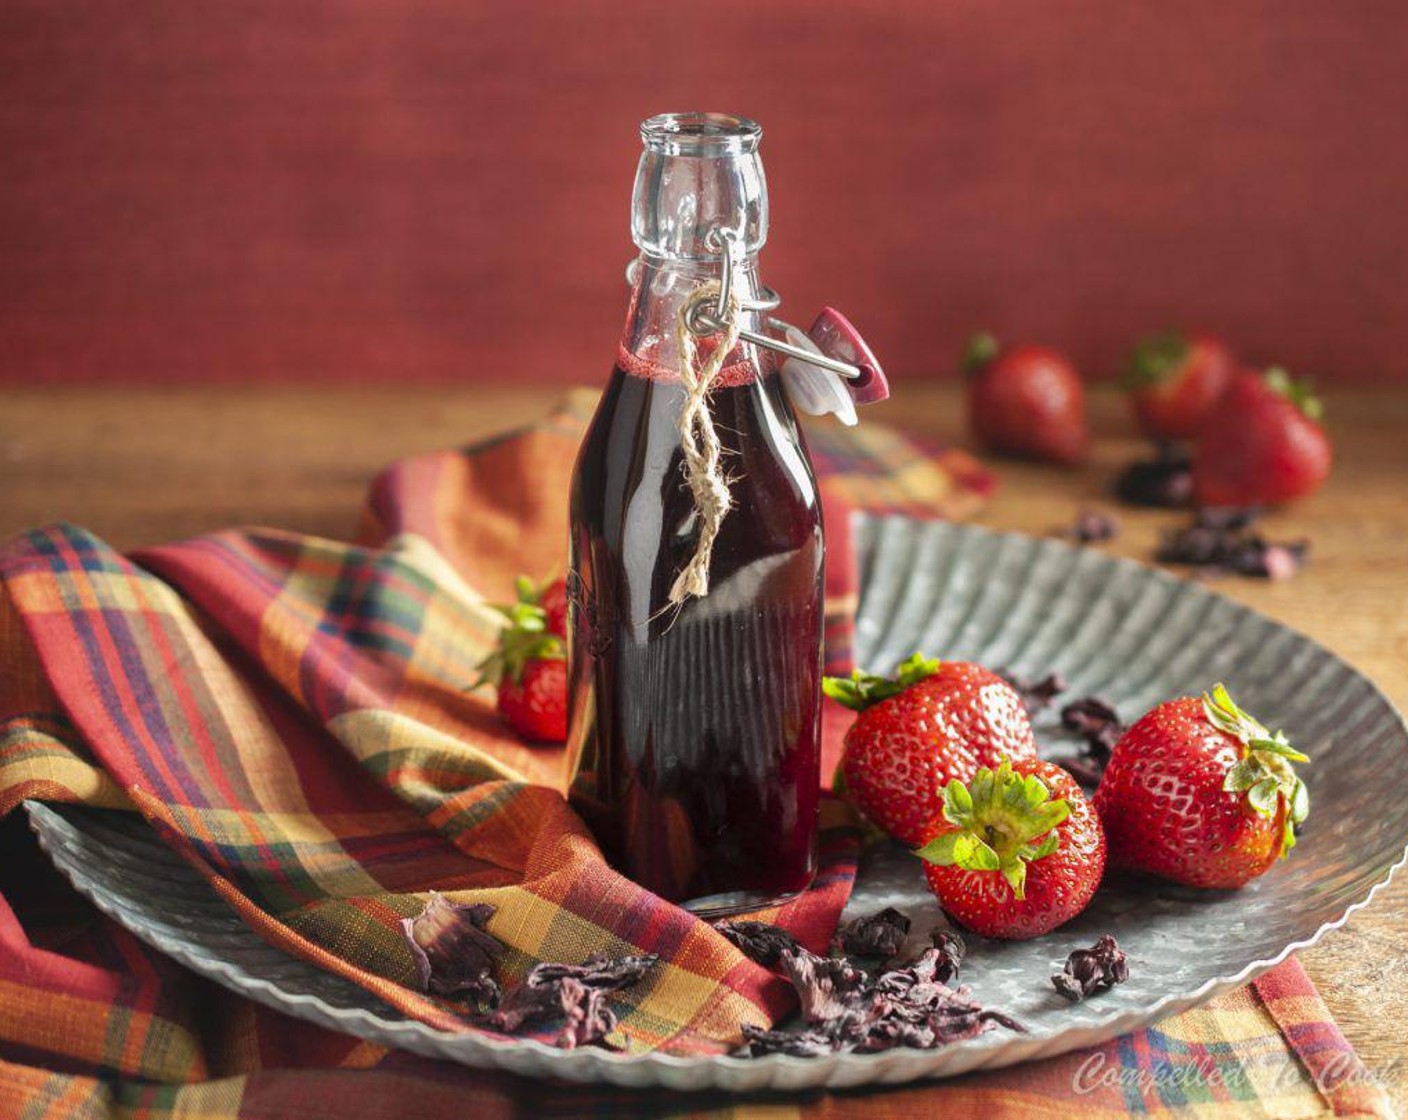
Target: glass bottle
{"points": [[694, 727]]}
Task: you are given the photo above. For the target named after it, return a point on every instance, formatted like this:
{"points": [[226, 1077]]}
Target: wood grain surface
{"points": [[143, 466]]}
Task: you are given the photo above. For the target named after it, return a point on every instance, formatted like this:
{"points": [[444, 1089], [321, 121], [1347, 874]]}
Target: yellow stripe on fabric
{"points": [[421, 556], [1232, 1018], [56, 777], [319, 855], [379, 733], [363, 1055], [208, 1100], [64, 1024]]}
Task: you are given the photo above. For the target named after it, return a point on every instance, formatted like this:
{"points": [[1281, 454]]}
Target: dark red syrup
{"points": [[695, 727]]}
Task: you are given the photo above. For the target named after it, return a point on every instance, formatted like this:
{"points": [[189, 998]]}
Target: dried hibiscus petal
{"points": [[843, 1009], [607, 974], [880, 935], [1165, 481], [1096, 721], [1222, 540], [760, 942], [577, 1015], [1036, 694], [1092, 970], [568, 1002], [828, 987], [799, 1043], [949, 957], [1091, 526], [453, 952]]}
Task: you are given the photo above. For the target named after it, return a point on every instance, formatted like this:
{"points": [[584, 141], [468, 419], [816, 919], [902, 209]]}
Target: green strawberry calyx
{"points": [[1156, 359], [982, 349], [1300, 393], [1002, 821], [860, 690], [524, 638], [1264, 773]]}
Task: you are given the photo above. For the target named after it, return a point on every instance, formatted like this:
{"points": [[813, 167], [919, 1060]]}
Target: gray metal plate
{"points": [[1131, 633]]}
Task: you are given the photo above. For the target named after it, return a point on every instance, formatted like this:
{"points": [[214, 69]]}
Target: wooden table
{"points": [[142, 466]]}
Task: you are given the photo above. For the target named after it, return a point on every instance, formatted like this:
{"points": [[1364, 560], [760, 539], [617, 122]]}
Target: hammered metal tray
{"points": [[1130, 633]]}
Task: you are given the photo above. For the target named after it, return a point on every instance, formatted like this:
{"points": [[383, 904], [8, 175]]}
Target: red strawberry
{"points": [[535, 704], [553, 600], [530, 666], [933, 722], [1175, 379], [1026, 401], [1017, 852], [1199, 792], [1262, 445]]}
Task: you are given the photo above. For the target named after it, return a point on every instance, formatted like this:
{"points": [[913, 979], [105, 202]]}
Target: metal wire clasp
{"points": [[703, 320]]}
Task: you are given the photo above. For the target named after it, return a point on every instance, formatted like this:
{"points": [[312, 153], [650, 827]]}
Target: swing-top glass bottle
{"points": [[694, 727]]}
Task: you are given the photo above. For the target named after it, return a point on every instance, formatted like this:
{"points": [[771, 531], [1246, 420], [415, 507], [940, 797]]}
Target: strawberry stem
{"points": [[1264, 773], [982, 348], [525, 637], [860, 690], [1300, 393], [1155, 358], [1002, 822]]}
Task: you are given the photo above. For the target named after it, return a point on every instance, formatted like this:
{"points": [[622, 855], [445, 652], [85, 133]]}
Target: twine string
{"points": [[699, 441]]}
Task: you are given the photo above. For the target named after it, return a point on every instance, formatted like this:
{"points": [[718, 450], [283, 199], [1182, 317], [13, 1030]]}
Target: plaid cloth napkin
{"points": [[290, 715]]}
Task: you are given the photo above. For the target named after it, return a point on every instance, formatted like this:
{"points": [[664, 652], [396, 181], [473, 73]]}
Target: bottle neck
{"points": [[661, 287]]}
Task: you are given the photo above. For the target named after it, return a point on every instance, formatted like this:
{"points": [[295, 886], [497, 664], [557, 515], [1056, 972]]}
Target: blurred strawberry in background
{"points": [[1263, 445], [1174, 380], [1026, 401]]}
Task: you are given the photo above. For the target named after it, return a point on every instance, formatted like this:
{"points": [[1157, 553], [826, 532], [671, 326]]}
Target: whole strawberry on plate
{"points": [[1026, 401], [1199, 792], [1263, 444], [931, 722], [1175, 379], [1016, 852], [530, 664]]}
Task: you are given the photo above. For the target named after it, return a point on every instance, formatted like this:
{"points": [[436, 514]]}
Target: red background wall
{"points": [[438, 189]]}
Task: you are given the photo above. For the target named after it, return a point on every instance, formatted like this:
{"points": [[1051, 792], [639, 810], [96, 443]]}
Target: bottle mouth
{"points": [[700, 134]]}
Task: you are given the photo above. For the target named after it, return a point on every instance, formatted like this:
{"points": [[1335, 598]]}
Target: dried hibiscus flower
{"points": [[799, 1043], [1091, 526], [1166, 481], [949, 957], [1036, 694], [827, 987], [453, 952], [880, 935], [759, 942], [1092, 970], [568, 1002], [1222, 540], [1096, 721], [844, 1009]]}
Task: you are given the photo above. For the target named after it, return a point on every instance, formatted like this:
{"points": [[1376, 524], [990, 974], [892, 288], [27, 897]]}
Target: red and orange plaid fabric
{"points": [[290, 714]]}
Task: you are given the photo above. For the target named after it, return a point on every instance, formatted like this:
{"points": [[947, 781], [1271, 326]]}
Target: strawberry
{"points": [[932, 722], [1175, 379], [1199, 792], [530, 664], [1262, 445], [553, 600], [534, 703], [1026, 401], [1016, 852]]}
